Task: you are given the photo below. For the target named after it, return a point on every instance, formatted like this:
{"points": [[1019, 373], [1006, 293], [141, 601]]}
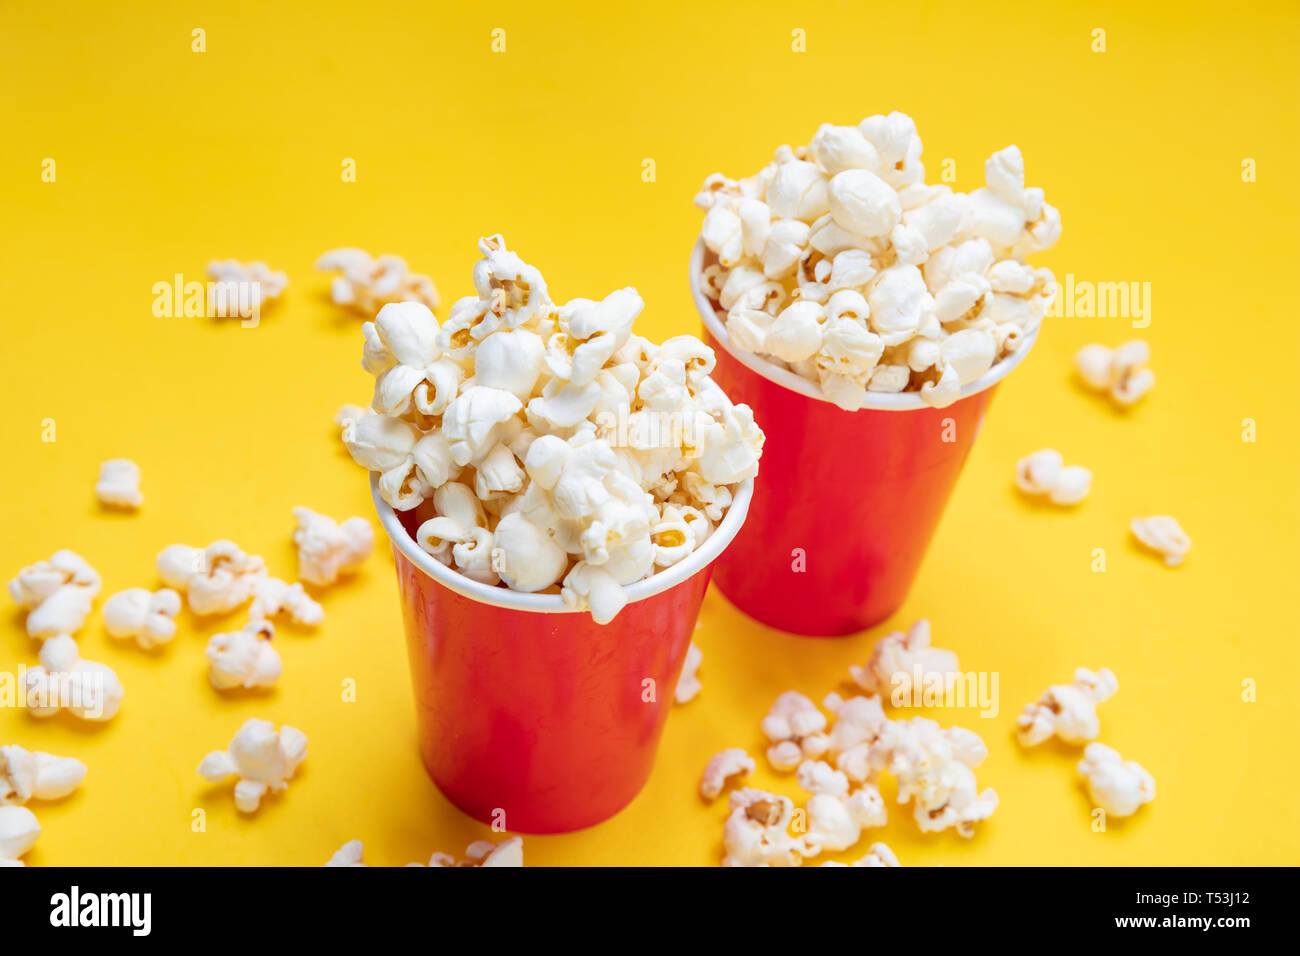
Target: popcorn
{"points": [[1045, 473], [757, 831], [244, 658], [859, 722], [18, 833], [58, 593], [36, 776], [509, 852], [878, 854], [147, 616], [1114, 784], [119, 484], [1119, 372], [365, 284], [935, 772], [944, 291], [900, 660], [215, 580], [836, 822], [244, 284], [724, 769], [688, 684], [796, 730], [1164, 535], [327, 549], [262, 758], [1068, 711], [349, 854], [64, 681], [545, 444], [272, 597]]}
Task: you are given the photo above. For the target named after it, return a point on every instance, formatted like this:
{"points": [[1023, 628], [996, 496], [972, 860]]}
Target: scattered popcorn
{"points": [[327, 549], [1068, 711], [64, 681], [272, 597], [244, 658], [859, 722], [837, 262], [796, 730], [1114, 784], [119, 484], [509, 852], [546, 445], [878, 854], [58, 593], [1163, 535], [147, 616], [366, 284], [900, 660], [935, 771], [1046, 473], [757, 831], [349, 854], [836, 822], [18, 833], [244, 285], [724, 769], [688, 685], [36, 776], [262, 758], [216, 579], [1119, 372]]}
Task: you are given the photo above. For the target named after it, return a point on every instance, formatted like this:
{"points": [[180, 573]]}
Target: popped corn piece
{"points": [[215, 579], [688, 684], [836, 822], [148, 616], [796, 730], [757, 831], [509, 852], [817, 776], [1114, 784], [1046, 473], [327, 549], [119, 484], [244, 285], [366, 283], [899, 661], [859, 722], [272, 597], [65, 681], [36, 775], [58, 593], [1119, 372], [18, 833], [935, 772], [724, 769], [244, 658], [348, 855], [1163, 535], [878, 854], [262, 758], [1068, 711]]}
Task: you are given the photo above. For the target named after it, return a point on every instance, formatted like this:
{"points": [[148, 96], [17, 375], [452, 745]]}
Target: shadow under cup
{"points": [[847, 502], [530, 715]]}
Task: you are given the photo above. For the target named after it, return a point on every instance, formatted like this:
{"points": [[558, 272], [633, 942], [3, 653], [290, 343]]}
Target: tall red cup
{"points": [[849, 500], [529, 713]]}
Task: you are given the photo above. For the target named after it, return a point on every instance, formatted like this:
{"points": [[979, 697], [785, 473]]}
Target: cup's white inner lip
{"points": [[499, 596], [894, 401]]}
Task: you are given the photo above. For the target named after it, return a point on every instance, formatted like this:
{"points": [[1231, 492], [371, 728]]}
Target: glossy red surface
{"points": [[859, 493], [541, 720]]}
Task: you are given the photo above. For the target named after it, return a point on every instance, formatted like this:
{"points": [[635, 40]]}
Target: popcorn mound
{"points": [[837, 262], [545, 447]]}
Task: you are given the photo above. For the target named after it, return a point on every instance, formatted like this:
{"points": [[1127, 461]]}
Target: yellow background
{"points": [[167, 158]]}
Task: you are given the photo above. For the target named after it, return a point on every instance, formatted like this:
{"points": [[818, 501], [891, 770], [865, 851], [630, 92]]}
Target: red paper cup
{"points": [[529, 713], [849, 500]]}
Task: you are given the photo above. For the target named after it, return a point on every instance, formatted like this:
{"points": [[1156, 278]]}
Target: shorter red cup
{"points": [[849, 500], [530, 714]]}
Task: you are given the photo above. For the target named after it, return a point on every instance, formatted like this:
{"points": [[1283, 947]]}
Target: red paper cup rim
{"points": [[880, 401], [502, 597]]}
